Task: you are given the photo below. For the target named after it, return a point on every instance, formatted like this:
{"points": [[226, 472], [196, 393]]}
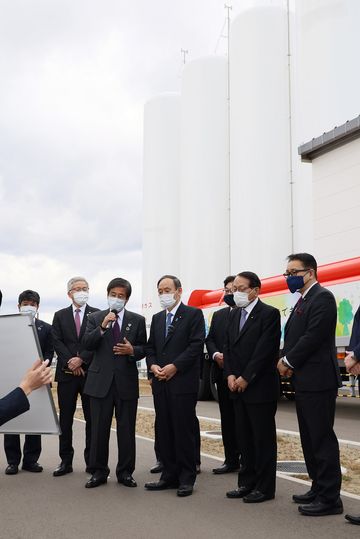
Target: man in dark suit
{"points": [[28, 303], [16, 402], [309, 356], [215, 344], [118, 338], [73, 359], [250, 356], [173, 357]]}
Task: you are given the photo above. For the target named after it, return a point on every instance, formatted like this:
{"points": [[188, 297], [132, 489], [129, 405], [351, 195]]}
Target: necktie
{"points": [[116, 331], [299, 303], [168, 323], [242, 318], [77, 321]]}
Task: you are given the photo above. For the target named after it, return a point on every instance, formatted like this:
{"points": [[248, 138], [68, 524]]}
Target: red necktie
{"points": [[77, 321]]}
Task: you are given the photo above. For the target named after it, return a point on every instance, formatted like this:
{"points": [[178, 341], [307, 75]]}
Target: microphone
{"points": [[108, 326]]}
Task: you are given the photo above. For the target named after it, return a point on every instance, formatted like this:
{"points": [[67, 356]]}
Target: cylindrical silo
{"points": [[260, 141], [204, 186], [161, 168]]}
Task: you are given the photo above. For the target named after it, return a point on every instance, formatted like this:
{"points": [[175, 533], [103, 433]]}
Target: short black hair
{"points": [[122, 283], [174, 279], [29, 295], [254, 281], [307, 260], [229, 279]]}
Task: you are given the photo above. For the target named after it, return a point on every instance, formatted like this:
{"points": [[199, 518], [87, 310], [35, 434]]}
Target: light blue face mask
{"points": [[116, 304]]}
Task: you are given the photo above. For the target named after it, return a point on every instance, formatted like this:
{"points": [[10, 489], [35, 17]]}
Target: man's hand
{"points": [[241, 384], [78, 372], [124, 349], [157, 372], [219, 358], [74, 363], [285, 371], [110, 317], [355, 370], [231, 382], [169, 371], [350, 361], [37, 376]]}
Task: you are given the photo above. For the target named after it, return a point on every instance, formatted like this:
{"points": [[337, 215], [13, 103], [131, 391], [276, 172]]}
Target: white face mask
{"points": [[28, 309], [116, 304], [81, 298], [167, 300], [241, 299]]}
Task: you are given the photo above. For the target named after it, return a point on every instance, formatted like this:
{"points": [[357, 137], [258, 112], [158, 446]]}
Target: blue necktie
{"points": [[242, 318], [168, 323]]}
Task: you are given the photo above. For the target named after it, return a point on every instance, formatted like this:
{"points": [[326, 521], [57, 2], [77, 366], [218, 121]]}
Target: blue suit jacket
{"points": [[14, 404]]}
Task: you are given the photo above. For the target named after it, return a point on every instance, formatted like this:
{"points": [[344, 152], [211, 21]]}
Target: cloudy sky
{"points": [[74, 78]]}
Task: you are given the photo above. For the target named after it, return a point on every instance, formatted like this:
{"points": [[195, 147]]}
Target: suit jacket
{"points": [[106, 366], [44, 331], [66, 342], [216, 338], [12, 405], [309, 342], [253, 352], [183, 347]]}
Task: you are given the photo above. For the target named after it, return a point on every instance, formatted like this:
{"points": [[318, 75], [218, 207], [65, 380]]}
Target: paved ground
{"points": [[346, 422], [41, 506]]}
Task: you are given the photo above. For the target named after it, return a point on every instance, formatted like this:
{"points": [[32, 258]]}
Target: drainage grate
{"points": [[292, 467]]}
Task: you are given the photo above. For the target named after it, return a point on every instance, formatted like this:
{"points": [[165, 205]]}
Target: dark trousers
{"points": [[31, 450], [67, 398], [176, 427], [101, 416], [228, 424], [316, 413], [257, 441], [197, 442]]}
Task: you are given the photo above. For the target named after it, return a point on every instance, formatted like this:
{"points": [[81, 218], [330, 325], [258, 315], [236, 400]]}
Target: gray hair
{"points": [[74, 280]]}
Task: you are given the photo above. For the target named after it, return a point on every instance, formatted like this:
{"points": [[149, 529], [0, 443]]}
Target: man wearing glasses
{"points": [[309, 357], [69, 326]]}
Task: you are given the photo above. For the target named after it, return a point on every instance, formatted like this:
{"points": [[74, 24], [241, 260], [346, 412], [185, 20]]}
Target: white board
{"points": [[19, 348]]}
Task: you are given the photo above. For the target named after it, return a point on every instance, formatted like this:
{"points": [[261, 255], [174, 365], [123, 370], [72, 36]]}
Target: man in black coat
{"points": [[73, 359], [16, 402], [250, 356], [118, 338], [215, 344], [173, 357], [28, 303], [309, 357]]}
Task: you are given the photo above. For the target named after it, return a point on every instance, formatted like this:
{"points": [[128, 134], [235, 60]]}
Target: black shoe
{"points": [[308, 497], [158, 468], [95, 481], [353, 520], [198, 469], [62, 469], [239, 492], [257, 497], [12, 469], [184, 490], [34, 467], [319, 509], [127, 480], [160, 485], [225, 468]]}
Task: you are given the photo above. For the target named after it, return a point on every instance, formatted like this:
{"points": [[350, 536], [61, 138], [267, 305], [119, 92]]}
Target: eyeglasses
{"points": [[80, 289], [295, 272]]}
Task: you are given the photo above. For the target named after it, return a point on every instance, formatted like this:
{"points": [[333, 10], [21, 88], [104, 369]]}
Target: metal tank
{"points": [[204, 186], [161, 171], [261, 224]]}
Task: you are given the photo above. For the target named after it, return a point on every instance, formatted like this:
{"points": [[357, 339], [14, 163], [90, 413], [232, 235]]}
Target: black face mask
{"points": [[229, 300]]}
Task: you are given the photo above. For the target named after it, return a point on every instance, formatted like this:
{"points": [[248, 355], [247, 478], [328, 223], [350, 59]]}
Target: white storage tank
{"points": [[260, 141], [204, 186], [161, 169]]}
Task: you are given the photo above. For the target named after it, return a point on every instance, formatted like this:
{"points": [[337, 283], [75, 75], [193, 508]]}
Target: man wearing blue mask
{"points": [[28, 303], [215, 344], [117, 337], [309, 357]]}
